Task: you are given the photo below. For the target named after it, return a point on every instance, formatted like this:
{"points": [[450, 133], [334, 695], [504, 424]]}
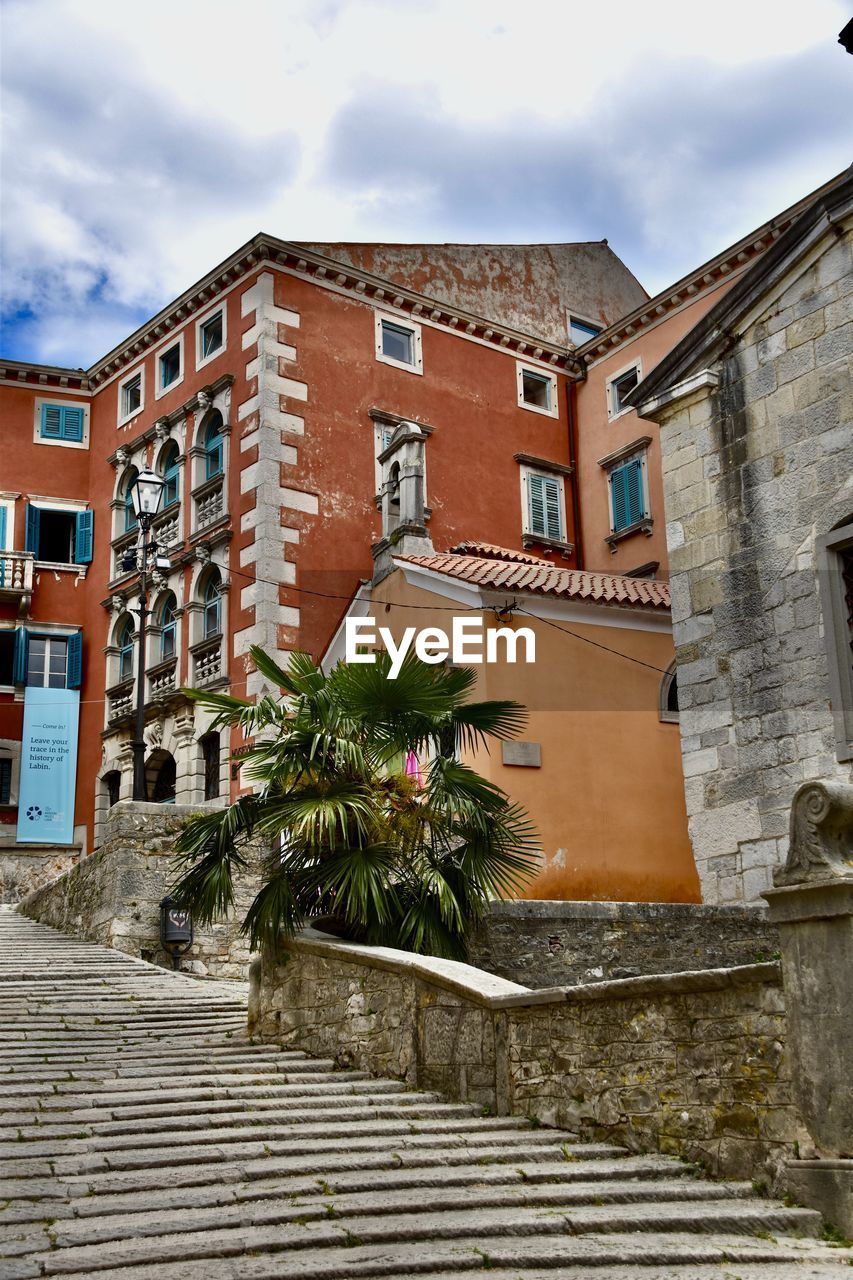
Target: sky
{"points": [[141, 144]]}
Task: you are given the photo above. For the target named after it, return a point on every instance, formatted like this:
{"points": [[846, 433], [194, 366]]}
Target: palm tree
{"points": [[384, 856]]}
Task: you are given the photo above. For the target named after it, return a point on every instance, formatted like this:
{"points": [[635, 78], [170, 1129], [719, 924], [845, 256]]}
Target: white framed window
{"points": [[581, 330], [620, 385], [169, 367], [211, 336], [537, 389], [543, 505], [61, 422], [628, 491], [398, 343], [131, 395]]}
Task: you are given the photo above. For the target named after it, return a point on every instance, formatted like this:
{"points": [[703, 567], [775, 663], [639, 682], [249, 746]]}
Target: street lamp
{"points": [[146, 494]]}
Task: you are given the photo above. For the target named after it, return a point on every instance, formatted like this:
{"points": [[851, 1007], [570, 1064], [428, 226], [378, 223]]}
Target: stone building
{"points": [[755, 407]]}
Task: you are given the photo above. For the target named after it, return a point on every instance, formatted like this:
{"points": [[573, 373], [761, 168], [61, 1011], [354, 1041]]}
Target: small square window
{"points": [[131, 396], [580, 331], [620, 387], [210, 336], [170, 366], [536, 389], [398, 343], [48, 662]]}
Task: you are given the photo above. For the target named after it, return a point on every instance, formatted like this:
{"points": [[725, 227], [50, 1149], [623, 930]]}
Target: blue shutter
{"points": [[83, 541], [553, 521], [634, 497], [74, 675], [3, 511], [51, 422], [32, 536], [72, 423], [20, 658], [536, 503]]}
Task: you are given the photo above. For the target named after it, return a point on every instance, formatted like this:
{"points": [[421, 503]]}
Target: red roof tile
{"points": [[489, 551], [543, 579]]}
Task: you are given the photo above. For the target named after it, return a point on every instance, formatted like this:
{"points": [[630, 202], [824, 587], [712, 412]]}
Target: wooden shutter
{"points": [[74, 673], [634, 496], [618, 499], [20, 659], [51, 422], [536, 503], [32, 534], [3, 511], [83, 540], [72, 423], [553, 517]]}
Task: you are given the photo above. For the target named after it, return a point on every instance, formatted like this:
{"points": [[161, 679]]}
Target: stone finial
{"points": [[821, 843]]}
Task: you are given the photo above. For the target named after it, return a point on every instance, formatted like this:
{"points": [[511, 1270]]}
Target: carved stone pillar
{"points": [[812, 904]]}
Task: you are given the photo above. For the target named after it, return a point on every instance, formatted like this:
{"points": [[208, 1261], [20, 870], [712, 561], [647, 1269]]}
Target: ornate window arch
{"points": [[167, 616], [125, 639], [211, 596], [213, 445], [170, 469]]}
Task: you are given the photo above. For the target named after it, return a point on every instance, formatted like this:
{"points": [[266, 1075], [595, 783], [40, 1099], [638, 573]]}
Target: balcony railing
{"points": [[16, 573], [207, 658], [120, 700], [162, 680], [209, 502], [167, 526]]}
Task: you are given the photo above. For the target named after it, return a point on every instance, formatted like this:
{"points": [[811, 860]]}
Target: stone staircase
{"points": [[143, 1135]]}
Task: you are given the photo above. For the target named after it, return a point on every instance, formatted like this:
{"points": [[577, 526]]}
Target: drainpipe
{"points": [[571, 390]]}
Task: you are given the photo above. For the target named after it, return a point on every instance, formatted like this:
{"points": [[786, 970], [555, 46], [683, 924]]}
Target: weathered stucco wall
{"points": [[691, 1064], [755, 471], [549, 944], [113, 896]]}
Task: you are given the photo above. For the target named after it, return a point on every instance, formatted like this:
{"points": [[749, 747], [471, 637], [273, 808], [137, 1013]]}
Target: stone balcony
{"points": [[16, 575], [207, 662]]}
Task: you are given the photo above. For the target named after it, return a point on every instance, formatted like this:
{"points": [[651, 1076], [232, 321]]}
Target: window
{"points": [[7, 522], [580, 331], [125, 650], [544, 511], [112, 786], [619, 387], [168, 628], [835, 575], [668, 709], [7, 657], [399, 343], [163, 791], [210, 756], [627, 493], [130, 520], [59, 537], [210, 337], [130, 398], [537, 390], [213, 447], [62, 422], [47, 662], [5, 781], [171, 475], [169, 366], [212, 619]]}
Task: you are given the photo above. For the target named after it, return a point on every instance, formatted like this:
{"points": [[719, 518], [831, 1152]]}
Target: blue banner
{"points": [[48, 766]]}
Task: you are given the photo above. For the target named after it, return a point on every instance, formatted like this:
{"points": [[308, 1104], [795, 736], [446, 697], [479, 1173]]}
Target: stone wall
{"points": [[547, 944], [757, 466], [691, 1064], [112, 897], [25, 868]]}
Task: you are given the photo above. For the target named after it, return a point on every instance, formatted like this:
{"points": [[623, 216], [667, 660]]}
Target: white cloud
{"points": [[144, 145]]}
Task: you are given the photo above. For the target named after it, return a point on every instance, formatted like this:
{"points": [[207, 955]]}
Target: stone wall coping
{"points": [[811, 900], [485, 989], [546, 909]]}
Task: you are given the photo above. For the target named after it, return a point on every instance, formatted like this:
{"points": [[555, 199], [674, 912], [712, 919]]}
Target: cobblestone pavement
{"points": [[143, 1135]]}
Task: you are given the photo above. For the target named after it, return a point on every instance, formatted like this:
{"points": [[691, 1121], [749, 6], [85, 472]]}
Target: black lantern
{"points": [[176, 930]]}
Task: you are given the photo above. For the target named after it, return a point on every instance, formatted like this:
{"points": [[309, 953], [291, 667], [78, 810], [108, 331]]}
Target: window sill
{"points": [[54, 566], [210, 485], [645, 526], [529, 540]]}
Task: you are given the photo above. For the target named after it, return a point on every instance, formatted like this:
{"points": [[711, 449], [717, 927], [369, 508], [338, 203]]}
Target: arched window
{"points": [[168, 628], [161, 773], [112, 787], [210, 755], [130, 520], [212, 597], [394, 484], [213, 447], [668, 703], [125, 638], [171, 475]]}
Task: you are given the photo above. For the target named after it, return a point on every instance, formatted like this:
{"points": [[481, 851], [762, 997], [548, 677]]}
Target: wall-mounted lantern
{"points": [[176, 930]]}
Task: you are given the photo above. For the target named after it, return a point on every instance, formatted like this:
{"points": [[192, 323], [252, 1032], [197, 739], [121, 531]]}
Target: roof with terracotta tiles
{"points": [[489, 551], [543, 579]]}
